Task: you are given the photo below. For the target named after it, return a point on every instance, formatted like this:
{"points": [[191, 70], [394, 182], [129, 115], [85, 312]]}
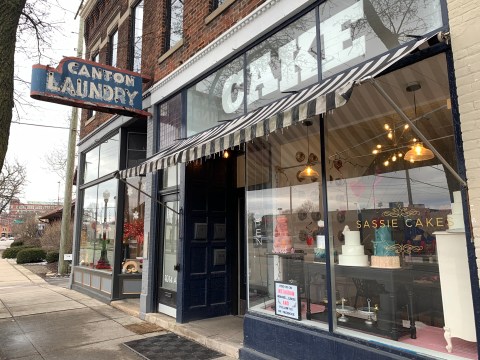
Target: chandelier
{"points": [[399, 138]]}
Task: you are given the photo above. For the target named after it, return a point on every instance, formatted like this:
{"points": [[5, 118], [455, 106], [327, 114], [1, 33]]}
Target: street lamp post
{"points": [[103, 261]]}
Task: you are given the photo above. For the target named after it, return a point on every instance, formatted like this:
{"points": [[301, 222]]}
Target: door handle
{"points": [[176, 267]]}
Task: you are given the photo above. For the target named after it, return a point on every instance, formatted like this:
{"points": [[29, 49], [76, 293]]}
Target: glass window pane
{"points": [[176, 22], [218, 97], [170, 244], [113, 48], [170, 176], [353, 31], [170, 117], [389, 208], [133, 226], [91, 165], [285, 62], [284, 219], [136, 149], [137, 36], [109, 155], [97, 239]]}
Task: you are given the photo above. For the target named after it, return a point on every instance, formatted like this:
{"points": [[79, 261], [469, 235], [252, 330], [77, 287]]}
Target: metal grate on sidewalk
{"points": [[170, 346]]}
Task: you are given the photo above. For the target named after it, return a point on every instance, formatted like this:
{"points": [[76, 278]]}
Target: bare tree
{"points": [[27, 230], [12, 180], [56, 160]]}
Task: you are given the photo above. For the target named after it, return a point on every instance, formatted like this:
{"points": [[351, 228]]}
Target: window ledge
{"points": [[218, 11], [170, 51], [89, 120]]}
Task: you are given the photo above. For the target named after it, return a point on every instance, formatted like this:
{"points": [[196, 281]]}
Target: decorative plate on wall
{"points": [[300, 156]]}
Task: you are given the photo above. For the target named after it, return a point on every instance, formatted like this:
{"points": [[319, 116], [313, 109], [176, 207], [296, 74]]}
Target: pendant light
{"points": [[308, 172], [418, 153]]}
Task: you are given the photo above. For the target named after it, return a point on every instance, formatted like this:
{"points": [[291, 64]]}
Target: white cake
{"points": [[455, 219], [352, 252]]}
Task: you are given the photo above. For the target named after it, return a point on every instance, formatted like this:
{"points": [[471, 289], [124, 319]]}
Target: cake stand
{"points": [[344, 310], [369, 312]]}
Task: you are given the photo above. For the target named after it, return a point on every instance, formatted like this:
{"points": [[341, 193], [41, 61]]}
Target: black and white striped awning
{"points": [[317, 99]]}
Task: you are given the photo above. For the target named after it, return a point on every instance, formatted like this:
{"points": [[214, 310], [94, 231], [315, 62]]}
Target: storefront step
{"points": [[223, 334]]}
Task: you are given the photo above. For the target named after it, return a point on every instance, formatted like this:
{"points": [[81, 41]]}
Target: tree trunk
{"points": [[9, 17]]}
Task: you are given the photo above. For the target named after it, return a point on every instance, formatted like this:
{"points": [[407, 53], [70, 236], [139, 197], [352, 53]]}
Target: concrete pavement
{"points": [[39, 320]]}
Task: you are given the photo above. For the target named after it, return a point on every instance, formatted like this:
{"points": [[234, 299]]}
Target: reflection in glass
{"points": [[97, 239], [137, 36], [353, 31], [170, 246], [218, 97], [176, 22], [170, 118], [113, 48], [133, 226], [102, 160]]}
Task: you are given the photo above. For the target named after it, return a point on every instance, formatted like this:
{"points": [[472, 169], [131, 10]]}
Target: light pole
{"points": [[103, 261]]}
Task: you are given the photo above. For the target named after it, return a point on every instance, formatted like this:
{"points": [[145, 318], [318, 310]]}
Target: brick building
{"points": [[308, 165]]}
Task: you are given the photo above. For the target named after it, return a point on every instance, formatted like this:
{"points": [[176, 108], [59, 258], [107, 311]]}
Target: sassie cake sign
{"points": [[90, 85]]}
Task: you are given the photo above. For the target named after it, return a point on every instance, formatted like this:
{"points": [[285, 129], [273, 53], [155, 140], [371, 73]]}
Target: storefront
{"points": [[313, 183]]}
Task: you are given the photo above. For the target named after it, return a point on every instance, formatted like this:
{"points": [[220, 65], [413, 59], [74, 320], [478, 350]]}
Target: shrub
{"points": [[50, 239], [11, 252], [52, 256], [16, 243], [30, 255]]}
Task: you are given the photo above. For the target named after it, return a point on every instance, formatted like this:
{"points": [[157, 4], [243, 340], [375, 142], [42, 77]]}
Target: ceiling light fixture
{"points": [[309, 172]]}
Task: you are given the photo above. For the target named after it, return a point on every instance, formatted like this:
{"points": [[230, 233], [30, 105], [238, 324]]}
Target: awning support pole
{"points": [[415, 129], [144, 193]]}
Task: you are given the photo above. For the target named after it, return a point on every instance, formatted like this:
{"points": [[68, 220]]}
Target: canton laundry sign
{"points": [[90, 85]]}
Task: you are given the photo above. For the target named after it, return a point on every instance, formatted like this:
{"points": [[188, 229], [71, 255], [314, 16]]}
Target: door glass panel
{"points": [[170, 244]]}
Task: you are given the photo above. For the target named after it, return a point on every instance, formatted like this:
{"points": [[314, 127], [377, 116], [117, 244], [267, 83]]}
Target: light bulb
{"points": [[412, 160], [386, 163], [414, 139], [400, 155], [379, 146], [390, 135], [406, 126], [394, 158], [375, 152], [418, 149], [386, 126]]}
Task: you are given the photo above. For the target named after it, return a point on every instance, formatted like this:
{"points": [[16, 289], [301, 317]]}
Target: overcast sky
{"points": [[30, 144]]}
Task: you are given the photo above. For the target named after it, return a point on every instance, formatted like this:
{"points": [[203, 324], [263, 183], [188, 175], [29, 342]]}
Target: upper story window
{"points": [[136, 46], [112, 49], [217, 3], [174, 23], [95, 58]]}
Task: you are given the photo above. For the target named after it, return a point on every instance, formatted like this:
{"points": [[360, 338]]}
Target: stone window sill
{"points": [[170, 51], [218, 11]]}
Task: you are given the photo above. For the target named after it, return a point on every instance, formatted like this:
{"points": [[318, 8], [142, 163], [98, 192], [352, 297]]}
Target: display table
{"points": [[455, 287], [395, 282]]}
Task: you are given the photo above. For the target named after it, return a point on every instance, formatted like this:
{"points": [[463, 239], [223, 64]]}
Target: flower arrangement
{"points": [[133, 231]]}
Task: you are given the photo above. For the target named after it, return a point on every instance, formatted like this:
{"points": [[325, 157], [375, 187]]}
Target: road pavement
{"points": [[43, 320]]}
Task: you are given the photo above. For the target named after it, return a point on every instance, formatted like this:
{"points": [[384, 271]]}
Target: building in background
{"points": [[308, 165]]}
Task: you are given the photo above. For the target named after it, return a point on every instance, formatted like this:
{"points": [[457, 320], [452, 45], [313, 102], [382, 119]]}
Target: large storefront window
{"points": [[284, 212], [394, 225], [97, 240]]}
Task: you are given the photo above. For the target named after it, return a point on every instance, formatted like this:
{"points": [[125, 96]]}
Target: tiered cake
{"points": [[282, 242], [383, 249], [352, 251], [455, 219]]}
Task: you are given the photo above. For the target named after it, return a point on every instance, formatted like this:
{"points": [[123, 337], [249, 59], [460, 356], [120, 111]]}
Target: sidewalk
{"points": [[39, 320]]}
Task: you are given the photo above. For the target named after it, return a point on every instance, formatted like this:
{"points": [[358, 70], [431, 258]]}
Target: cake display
{"points": [[455, 220], [352, 252], [383, 249], [282, 242]]}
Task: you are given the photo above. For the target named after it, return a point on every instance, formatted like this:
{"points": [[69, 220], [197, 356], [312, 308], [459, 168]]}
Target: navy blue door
{"points": [[210, 207]]}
